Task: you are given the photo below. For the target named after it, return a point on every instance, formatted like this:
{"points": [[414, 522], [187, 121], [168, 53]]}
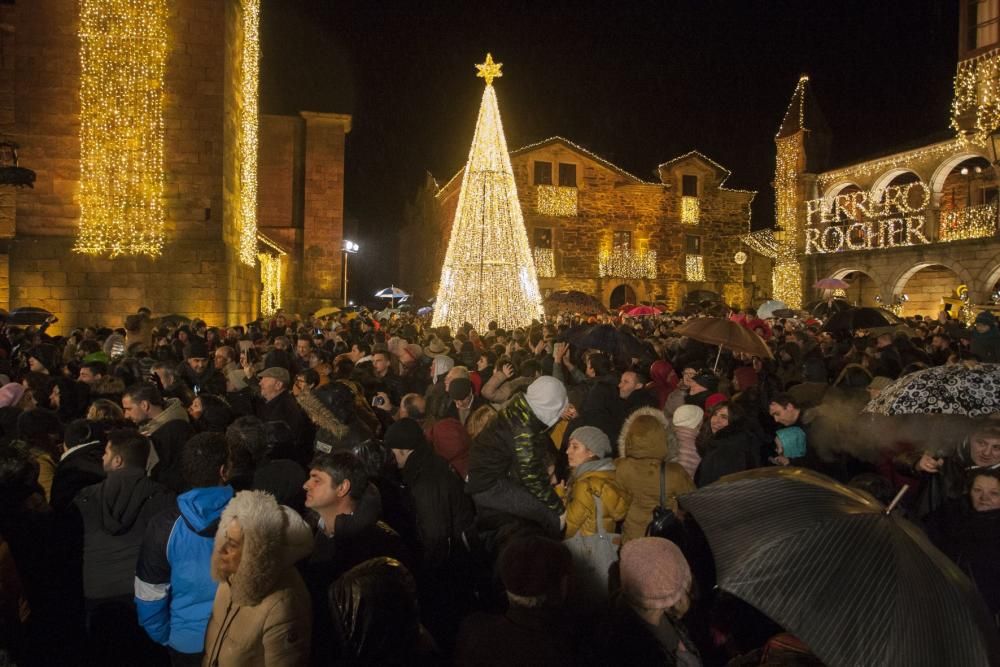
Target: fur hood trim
{"points": [[274, 538], [320, 415], [109, 385], [640, 441]]}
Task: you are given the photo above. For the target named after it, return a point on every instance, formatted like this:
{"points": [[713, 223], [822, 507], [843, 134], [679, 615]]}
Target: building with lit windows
{"points": [[166, 189], [596, 228], [914, 230]]}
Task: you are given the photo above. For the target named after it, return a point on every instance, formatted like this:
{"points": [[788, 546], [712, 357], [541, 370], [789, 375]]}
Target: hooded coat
{"points": [[642, 445], [986, 346], [581, 504], [262, 614], [115, 514], [168, 432]]}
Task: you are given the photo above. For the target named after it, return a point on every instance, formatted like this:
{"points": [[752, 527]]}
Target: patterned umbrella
{"points": [[831, 283], [572, 301], [970, 389], [858, 585]]}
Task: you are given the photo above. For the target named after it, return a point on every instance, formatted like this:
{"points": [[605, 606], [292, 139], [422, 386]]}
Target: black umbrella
{"points": [[173, 320], [827, 307], [572, 301], [700, 295], [856, 318], [28, 316], [858, 585], [620, 344]]}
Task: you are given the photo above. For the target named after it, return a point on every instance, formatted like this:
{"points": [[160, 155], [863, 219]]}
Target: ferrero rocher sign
{"points": [[868, 220]]}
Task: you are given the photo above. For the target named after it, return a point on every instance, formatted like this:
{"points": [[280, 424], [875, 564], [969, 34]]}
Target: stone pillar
{"points": [[323, 211]]}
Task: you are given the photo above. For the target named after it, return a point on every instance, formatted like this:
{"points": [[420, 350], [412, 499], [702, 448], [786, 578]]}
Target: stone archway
{"points": [[865, 285], [925, 284], [621, 294], [883, 181], [942, 171], [836, 189]]}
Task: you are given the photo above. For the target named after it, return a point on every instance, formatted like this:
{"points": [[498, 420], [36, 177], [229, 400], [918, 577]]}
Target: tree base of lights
{"points": [[489, 272]]}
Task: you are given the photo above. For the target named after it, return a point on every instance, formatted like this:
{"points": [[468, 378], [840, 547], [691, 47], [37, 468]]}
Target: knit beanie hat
{"points": [[654, 573], [11, 394], [793, 441], [746, 376], [195, 349], [689, 416], [593, 439], [714, 399], [708, 380], [547, 399], [533, 566], [404, 434]]}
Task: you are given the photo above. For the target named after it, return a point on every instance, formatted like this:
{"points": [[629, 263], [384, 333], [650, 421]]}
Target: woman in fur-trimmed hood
{"points": [[262, 612], [642, 445]]}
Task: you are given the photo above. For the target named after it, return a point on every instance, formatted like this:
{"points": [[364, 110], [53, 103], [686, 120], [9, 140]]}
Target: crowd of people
{"points": [[357, 490]]}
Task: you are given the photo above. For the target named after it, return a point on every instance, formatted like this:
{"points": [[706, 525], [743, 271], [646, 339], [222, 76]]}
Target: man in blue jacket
{"points": [[174, 590]]}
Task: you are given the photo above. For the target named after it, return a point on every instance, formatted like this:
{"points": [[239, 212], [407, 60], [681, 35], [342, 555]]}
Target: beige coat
{"points": [[642, 444], [262, 615]]}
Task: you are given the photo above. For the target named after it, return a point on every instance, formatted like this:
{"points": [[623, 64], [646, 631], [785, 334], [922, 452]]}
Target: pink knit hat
{"points": [[654, 573], [10, 394]]}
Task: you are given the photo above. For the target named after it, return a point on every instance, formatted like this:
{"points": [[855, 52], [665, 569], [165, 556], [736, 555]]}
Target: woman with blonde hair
{"points": [[262, 611]]}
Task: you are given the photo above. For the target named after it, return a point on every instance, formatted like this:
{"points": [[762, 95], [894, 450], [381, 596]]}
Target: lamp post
{"points": [[349, 248]]}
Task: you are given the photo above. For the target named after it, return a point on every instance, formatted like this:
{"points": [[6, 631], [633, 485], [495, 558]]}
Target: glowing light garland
{"points": [[787, 275], [556, 200], [974, 222], [630, 264], [545, 262], [270, 277], [883, 165], [690, 210], [248, 128], [488, 272], [762, 242], [977, 94], [694, 268], [123, 52]]}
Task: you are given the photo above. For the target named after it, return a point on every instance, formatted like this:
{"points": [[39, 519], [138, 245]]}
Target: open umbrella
{"points": [[767, 309], [392, 293], [173, 320], [827, 307], [971, 389], [857, 584], [572, 301], [620, 344], [831, 283], [641, 311], [856, 318], [625, 307], [700, 295], [786, 313], [426, 310], [324, 312], [28, 316], [725, 333]]}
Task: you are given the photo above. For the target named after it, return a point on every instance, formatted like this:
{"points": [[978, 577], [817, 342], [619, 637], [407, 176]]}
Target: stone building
{"points": [[910, 230], [596, 228], [199, 272]]}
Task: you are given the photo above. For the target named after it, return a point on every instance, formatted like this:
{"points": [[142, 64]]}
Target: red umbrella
{"points": [[625, 307], [640, 311]]}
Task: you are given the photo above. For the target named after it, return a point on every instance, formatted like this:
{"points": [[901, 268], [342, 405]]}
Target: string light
{"points": [[762, 242], [556, 200], [690, 210], [123, 52], [270, 276], [974, 222], [545, 262], [977, 92], [488, 273], [786, 277], [740, 257], [622, 263], [882, 165], [248, 127], [694, 268]]}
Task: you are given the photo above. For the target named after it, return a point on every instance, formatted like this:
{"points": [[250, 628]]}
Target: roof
{"points": [[583, 151], [803, 112]]}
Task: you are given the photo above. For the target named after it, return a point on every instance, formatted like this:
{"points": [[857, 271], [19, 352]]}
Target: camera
{"points": [[378, 401]]}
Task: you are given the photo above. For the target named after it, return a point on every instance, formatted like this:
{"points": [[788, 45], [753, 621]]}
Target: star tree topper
{"points": [[489, 70]]}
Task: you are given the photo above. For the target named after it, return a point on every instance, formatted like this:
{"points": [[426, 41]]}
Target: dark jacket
{"points": [[626, 639], [442, 511], [948, 484], [732, 449], [513, 446], [603, 407], [284, 408], [114, 515], [972, 540], [168, 432], [542, 636], [78, 469], [986, 346], [210, 381]]}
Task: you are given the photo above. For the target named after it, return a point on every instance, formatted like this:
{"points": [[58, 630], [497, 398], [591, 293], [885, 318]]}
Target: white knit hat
{"points": [[547, 399], [688, 416]]}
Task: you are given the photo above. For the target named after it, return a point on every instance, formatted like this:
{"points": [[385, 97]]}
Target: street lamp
{"points": [[349, 248]]}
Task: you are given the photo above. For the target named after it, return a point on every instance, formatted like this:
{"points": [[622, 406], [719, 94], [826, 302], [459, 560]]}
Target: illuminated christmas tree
{"points": [[488, 272]]}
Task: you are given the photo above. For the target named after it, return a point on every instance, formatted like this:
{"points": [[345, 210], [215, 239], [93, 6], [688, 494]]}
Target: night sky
{"points": [[637, 83]]}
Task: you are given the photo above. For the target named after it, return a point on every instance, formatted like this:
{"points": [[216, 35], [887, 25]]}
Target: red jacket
{"points": [[451, 442]]}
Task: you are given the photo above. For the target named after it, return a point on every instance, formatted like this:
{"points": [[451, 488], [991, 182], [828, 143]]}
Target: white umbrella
{"points": [[766, 309], [392, 293]]}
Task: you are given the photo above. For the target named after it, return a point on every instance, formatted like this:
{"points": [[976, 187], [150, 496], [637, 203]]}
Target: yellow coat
{"points": [[581, 510]]}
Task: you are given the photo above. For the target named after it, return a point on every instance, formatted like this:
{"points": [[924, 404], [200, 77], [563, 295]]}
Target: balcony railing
{"points": [[973, 222], [545, 262], [556, 200], [620, 263]]}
